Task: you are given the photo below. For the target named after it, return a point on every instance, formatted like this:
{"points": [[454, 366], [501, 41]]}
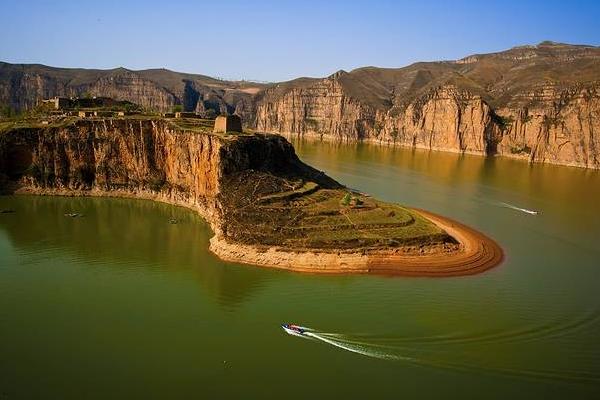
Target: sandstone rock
{"points": [[540, 103], [228, 123]]}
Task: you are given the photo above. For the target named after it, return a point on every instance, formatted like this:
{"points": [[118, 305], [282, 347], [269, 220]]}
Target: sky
{"points": [[280, 40]]}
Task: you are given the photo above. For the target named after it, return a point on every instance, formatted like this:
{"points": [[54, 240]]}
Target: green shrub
{"points": [[503, 122], [520, 149], [346, 199], [157, 183]]}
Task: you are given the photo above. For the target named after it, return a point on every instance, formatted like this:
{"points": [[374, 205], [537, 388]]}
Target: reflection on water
{"points": [[121, 234], [121, 303], [442, 181]]}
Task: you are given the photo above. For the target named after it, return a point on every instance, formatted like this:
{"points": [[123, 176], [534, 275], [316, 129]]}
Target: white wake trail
{"points": [[513, 207], [339, 343]]}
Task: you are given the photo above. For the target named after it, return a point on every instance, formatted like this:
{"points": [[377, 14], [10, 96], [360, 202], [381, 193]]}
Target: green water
{"points": [[120, 303]]}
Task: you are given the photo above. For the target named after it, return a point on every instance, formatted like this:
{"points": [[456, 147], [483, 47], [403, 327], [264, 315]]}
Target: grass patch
{"points": [[308, 216]]}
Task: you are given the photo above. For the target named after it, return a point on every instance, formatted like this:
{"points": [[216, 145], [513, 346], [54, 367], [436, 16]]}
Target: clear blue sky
{"points": [[280, 40]]}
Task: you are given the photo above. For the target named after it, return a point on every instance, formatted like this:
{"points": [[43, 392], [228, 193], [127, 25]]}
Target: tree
{"points": [[346, 199], [210, 114], [6, 111], [177, 108]]}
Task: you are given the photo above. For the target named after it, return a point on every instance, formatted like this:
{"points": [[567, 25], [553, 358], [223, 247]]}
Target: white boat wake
{"points": [[365, 350], [341, 342], [387, 353], [513, 207]]}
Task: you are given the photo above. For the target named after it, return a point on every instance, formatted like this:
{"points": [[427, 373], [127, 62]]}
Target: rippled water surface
{"points": [[121, 303]]}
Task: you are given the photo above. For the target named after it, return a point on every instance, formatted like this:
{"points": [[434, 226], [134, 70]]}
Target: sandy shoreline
{"points": [[476, 254]]}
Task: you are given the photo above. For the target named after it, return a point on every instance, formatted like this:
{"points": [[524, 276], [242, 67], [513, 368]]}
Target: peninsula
{"points": [[265, 206]]}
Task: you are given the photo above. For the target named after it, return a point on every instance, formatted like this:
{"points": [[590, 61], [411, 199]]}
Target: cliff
{"points": [[22, 86], [142, 157], [265, 206], [539, 103]]}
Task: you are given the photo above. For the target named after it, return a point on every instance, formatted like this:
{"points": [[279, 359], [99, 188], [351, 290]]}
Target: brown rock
{"points": [[228, 123]]}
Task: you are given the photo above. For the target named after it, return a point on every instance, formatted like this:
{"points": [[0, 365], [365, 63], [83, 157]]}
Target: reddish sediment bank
{"points": [[475, 253]]}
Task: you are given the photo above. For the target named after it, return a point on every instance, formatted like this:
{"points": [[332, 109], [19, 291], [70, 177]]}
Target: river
{"points": [[125, 301]]}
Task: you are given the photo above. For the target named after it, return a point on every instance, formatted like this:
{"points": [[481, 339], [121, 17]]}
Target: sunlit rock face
{"points": [[539, 103]]}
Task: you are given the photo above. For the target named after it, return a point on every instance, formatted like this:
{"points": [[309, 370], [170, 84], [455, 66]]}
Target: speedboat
{"points": [[294, 329]]}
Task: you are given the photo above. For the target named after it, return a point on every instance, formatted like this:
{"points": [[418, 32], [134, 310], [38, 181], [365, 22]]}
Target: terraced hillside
{"points": [[291, 212]]}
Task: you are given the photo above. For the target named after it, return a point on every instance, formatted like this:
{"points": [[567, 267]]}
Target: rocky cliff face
{"points": [[524, 103], [23, 86], [559, 126], [321, 109], [539, 103], [445, 118], [265, 206], [141, 158]]}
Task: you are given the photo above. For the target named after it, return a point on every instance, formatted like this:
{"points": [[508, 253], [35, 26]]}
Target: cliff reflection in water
{"points": [[125, 234]]}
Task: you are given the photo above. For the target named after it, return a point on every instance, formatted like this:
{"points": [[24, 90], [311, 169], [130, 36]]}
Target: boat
{"points": [[294, 329]]}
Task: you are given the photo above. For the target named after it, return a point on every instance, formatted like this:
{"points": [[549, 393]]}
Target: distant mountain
{"points": [[540, 103], [23, 85]]}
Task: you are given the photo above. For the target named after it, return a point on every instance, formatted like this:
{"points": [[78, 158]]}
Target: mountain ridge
{"points": [[536, 102]]}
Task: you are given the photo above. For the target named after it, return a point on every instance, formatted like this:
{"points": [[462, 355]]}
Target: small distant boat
{"points": [[72, 215], [294, 329]]}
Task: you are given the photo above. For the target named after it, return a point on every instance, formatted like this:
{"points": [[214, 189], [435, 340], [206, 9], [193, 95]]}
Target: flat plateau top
{"points": [[196, 125]]}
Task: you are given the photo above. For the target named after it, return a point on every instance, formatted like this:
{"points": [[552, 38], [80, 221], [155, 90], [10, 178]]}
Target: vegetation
{"points": [[520, 149], [267, 210], [210, 114], [503, 122], [551, 121], [6, 111], [346, 199], [311, 123], [177, 108], [157, 183]]}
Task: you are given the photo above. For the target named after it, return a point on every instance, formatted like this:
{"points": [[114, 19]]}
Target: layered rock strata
{"points": [[265, 206]]}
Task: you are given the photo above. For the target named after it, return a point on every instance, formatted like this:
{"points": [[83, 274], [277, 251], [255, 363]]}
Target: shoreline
{"points": [[477, 252], [391, 144]]}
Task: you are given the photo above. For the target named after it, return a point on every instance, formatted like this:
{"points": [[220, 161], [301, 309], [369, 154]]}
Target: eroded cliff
{"points": [[539, 103], [265, 206], [142, 157], [22, 86]]}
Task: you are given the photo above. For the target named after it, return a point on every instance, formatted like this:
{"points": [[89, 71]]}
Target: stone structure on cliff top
{"points": [[539, 103], [228, 123], [265, 206]]}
